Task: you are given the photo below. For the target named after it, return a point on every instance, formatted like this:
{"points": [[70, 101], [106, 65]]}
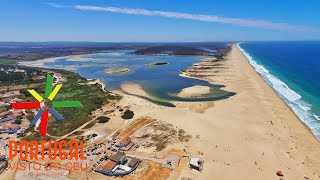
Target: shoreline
{"points": [[278, 93], [248, 136], [183, 74], [94, 81]]}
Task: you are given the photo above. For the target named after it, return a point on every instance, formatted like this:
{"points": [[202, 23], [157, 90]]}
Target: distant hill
{"points": [[171, 50], [40, 50], [187, 49]]}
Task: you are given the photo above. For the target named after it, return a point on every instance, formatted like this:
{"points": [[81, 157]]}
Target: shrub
{"points": [[18, 121], [128, 114], [103, 119], [106, 157]]}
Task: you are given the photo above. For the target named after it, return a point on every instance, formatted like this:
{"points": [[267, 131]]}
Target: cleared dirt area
{"points": [[150, 171], [131, 129], [158, 135]]}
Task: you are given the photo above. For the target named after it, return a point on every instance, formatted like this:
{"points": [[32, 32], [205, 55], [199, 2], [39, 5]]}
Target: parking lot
{"points": [[4, 139]]}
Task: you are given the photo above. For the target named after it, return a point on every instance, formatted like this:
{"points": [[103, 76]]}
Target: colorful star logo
{"points": [[46, 105]]}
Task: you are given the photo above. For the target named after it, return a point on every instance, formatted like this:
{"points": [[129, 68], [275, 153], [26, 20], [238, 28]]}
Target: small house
{"points": [[124, 143], [106, 168]]}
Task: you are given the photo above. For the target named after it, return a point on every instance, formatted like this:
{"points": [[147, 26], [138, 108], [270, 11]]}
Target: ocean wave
{"points": [[300, 107]]}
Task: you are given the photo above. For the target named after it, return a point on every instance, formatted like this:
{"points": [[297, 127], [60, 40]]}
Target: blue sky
{"points": [[163, 20]]}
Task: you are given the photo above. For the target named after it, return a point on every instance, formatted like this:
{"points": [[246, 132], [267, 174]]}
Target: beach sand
{"points": [[194, 91], [248, 136]]}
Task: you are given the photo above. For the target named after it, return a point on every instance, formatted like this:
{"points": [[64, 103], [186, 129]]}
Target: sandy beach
{"points": [[194, 91], [248, 136]]}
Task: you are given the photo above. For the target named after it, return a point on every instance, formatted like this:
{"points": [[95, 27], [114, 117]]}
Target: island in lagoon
{"points": [[157, 64], [118, 71]]}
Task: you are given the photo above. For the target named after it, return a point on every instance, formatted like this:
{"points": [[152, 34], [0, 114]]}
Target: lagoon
{"points": [[161, 83]]}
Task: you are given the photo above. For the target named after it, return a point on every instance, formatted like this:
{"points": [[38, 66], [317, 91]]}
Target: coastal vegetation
{"points": [[8, 61], [103, 119], [157, 64], [171, 50], [91, 124], [222, 53], [12, 74], [127, 114], [92, 97], [27, 53], [75, 88], [182, 49], [118, 71]]}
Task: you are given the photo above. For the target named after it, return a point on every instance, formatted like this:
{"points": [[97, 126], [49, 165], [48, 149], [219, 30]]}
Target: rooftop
{"points": [[107, 166], [196, 162], [123, 140], [133, 162], [119, 156]]}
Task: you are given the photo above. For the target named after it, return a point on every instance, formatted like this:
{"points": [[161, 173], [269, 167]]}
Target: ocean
{"points": [[292, 70]]}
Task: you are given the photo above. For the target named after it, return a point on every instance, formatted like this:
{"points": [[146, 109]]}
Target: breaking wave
{"points": [[294, 100]]}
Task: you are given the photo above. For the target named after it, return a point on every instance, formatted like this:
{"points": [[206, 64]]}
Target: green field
{"points": [[8, 61]]}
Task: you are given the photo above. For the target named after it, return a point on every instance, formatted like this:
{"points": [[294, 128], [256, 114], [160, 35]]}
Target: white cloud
{"points": [[196, 17], [55, 5]]}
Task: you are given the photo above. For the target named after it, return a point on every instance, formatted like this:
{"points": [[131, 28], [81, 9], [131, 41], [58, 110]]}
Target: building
{"points": [[196, 163], [118, 165], [106, 168], [133, 162], [12, 128], [124, 143], [119, 157]]}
